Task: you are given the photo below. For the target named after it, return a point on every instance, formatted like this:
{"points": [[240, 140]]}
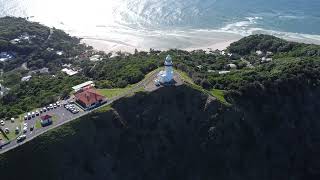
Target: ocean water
{"points": [[161, 24]]}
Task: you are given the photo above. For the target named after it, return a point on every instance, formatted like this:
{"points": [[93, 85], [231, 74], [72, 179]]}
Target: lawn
{"points": [[110, 93], [219, 94], [184, 76], [11, 136]]}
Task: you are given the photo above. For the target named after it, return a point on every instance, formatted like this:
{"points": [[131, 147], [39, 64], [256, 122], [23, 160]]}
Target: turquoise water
{"points": [[173, 23]]}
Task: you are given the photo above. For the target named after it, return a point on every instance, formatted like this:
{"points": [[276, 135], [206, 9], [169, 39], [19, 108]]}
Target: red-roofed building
{"points": [[89, 98], [46, 120]]}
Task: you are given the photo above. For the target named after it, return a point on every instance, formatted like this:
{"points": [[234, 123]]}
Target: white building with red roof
{"points": [[89, 98]]}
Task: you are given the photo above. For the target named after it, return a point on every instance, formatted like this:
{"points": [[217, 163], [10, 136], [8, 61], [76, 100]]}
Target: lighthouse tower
{"points": [[168, 69], [165, 77]]}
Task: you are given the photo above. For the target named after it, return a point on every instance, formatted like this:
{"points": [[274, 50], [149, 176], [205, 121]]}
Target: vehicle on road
{"points": [[21, 138]]}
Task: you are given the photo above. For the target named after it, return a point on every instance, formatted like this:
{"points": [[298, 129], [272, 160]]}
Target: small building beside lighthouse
{"points": [[166, 76]]}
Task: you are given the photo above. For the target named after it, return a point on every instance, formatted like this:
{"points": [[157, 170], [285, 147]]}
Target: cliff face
{"points": [[179, 133]]}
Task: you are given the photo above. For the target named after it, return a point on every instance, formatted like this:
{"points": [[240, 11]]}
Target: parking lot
{"points": [[30, 124]]}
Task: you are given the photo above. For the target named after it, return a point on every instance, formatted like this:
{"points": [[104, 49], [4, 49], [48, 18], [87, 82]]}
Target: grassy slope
{"points": [[218, 94]]}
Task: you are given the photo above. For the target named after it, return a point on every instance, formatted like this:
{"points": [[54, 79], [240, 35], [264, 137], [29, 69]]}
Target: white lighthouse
{"points": [[166, 76]]}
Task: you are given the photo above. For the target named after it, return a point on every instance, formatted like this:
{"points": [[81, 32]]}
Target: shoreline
{"points": [[109, 45]]}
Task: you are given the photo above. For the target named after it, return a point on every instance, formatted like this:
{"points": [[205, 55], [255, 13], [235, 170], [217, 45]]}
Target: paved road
{"points": [[65, 116]]}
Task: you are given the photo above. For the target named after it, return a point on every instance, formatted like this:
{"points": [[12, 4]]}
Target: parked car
{"points": [[12, 120], [2, 123], [25, 129], [37, 113], [55, 106], [75, 111], [41, 111], [25, 118], [31, 128], [6, 130], [33, 114], [44, 109], [21, 138], [17, 130]]}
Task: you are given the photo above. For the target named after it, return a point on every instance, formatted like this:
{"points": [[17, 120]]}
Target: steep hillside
{"points": [[179, 133]]}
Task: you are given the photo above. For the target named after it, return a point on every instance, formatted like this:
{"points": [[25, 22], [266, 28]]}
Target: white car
{"points": [[12, 120], [37, 113], [21, 138], [2, 123], [17, 130], [33, 114], [25, 124], [25, 129]]}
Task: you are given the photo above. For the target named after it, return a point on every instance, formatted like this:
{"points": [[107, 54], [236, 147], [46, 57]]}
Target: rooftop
{"points": [[89, 96], [26, 78], [46, 117], [78, 87], [70, 72]]}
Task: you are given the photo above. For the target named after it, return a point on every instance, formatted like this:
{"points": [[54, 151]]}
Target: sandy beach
{"points": [[189, 41]]}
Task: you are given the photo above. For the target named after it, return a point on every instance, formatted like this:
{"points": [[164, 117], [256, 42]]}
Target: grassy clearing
{"points": [[219, 94], [38, 124], [110, 93], [184, 76], [12, 135]]}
